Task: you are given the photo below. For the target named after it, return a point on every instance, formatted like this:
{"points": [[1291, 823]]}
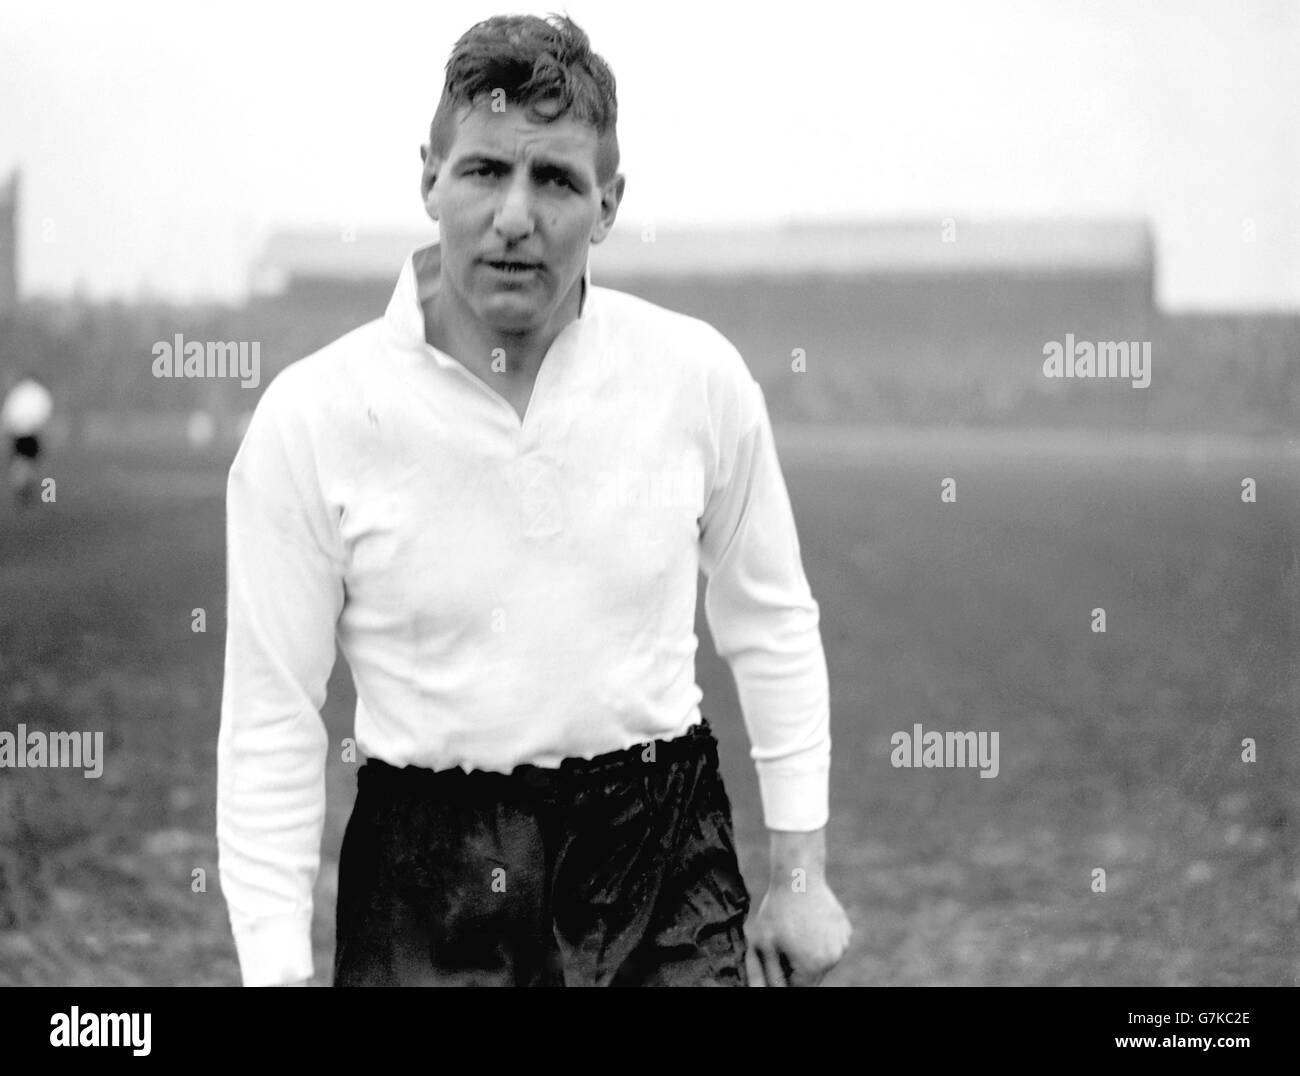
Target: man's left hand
{"points": [[799, 934]]}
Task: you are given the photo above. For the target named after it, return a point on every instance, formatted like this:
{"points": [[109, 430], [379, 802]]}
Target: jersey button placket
{"points": [[540, 507]]}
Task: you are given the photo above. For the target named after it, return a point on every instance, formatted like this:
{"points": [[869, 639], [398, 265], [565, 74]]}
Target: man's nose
{"points": [[514, 219]]}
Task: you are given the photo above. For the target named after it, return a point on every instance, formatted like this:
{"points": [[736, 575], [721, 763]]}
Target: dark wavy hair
{"points": [[545, 66]]}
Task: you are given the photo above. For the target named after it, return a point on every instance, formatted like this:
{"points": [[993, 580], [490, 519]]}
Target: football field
{"points": [[1119, 751]]}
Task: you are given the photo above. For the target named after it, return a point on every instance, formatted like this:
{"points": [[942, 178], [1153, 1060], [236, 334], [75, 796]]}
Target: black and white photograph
{"points": [[691, 494]]}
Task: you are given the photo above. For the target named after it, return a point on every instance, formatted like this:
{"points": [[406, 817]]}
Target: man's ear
{"points": [[611, 194], [428, 181]]}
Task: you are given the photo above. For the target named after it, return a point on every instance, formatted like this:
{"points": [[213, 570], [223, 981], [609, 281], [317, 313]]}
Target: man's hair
{"points": [[545, 66]]}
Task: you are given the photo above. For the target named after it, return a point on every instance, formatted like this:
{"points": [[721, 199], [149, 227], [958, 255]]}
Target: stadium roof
{"points": [[1045, 246]]}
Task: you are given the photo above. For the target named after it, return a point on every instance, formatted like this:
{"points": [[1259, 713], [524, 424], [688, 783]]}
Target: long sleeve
{"points": [[762, 615], [285, 593]]}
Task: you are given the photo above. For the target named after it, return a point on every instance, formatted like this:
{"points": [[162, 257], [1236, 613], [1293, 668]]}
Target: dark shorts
{"points": [[614, 871], [27, 447]]}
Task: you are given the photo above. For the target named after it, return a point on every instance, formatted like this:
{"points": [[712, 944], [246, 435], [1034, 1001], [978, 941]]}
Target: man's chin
{"points": [[505, 314]]}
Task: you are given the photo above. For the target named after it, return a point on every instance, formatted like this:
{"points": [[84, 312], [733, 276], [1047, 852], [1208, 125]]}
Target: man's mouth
{"points": [[513, 265]]}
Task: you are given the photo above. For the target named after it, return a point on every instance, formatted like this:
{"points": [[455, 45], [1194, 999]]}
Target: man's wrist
{"points": [[795, 856]]}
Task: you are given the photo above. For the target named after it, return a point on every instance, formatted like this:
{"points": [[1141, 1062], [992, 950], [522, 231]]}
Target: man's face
{"points": [[518, 206]]}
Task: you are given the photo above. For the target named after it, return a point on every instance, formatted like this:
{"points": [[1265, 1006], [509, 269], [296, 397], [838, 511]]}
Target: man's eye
{"points": [[483, 170], [559, 180]]}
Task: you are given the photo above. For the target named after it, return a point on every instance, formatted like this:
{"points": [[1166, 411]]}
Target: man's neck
{"points": [[516, 357]]}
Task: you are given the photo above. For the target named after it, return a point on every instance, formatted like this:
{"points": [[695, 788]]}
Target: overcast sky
{"points": [[161, 142]]}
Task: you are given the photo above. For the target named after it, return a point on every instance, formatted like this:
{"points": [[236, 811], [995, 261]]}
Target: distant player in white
{"points": [[26, 410]]}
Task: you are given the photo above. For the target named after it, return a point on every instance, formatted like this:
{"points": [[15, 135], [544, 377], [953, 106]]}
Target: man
{"points": [[500, 495]]}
